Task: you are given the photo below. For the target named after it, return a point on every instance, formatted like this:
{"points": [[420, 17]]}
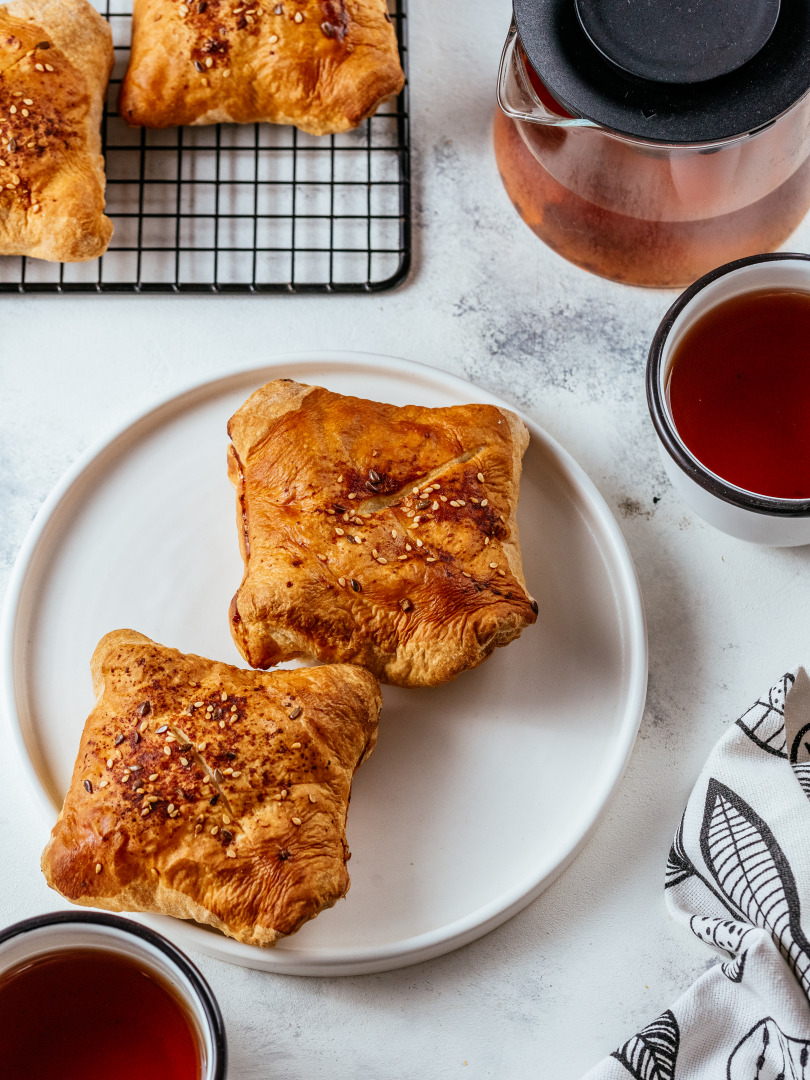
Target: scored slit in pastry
{"points": [[207, 792], [374, 534], [55, 61], [323, 65]]}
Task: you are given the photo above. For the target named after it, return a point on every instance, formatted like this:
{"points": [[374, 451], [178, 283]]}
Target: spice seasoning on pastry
{"points": [[374, 534], [323, 65], [55, 61], [217, 806]]}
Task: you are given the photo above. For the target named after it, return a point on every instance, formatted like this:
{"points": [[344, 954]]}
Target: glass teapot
{"points": [[649, 141]]}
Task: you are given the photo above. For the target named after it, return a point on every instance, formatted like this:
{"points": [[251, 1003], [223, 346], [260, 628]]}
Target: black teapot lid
{"points": [[675, 71]]}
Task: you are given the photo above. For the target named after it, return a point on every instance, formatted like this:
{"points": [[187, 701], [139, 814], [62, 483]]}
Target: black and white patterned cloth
{"points": [[738, 875]]}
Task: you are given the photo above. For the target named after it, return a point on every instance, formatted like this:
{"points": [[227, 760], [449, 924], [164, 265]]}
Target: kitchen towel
{"points": [[738, 876]]}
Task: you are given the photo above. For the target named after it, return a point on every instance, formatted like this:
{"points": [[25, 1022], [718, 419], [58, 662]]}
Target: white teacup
{"points": [[744, 514]]}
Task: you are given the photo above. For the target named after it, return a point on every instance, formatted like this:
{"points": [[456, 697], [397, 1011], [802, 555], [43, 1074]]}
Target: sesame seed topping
{"points": [[296, 713], [502, 573], [311, 797], [236, 773], [485, 502], [234, 709], [153, 776], [109, 762], [465, 574], [434, 505], [493, 566], [382, 560], [170, 808], [408, 547], [218, 776], [353, 495], [322, 558], [142, 726], [103, 783], [443, 498], [227, 772], [231, 853], [273, 39], [209, 62], [299, 18], [184, 761], [144, 708], [162, 729], [296, 821], [430, 558], [214, 830], [145, 811], [222, 723], [98, 867], [419, 543], [88, 786], [402, 558], [39, 67], [481, 478], [340, 532], [356, 585], [342, 582], [167, 750], [454, 502], [197, 830], [486, 540], [48, 67], [295, 746]]}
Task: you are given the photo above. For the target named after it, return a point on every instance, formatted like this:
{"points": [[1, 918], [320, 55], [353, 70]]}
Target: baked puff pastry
{"points": [[55, 61], [323, 65], [207, 792], [376, 535]]}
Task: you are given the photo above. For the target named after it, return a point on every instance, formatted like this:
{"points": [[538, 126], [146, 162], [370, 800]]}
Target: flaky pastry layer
{"points": [[323, 65], [207, 792], [55, 61], [374, 534]]}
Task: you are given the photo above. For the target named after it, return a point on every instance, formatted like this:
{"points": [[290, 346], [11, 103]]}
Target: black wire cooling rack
{"points": [[255, 208]]}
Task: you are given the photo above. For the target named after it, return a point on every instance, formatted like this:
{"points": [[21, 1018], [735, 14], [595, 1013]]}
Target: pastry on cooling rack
{"points": [[323, 65], [377, 535], [211, 793], [55, 61]]}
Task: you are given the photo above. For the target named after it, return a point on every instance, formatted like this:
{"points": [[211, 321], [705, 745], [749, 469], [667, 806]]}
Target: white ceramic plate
{"points": [[479, 792]]}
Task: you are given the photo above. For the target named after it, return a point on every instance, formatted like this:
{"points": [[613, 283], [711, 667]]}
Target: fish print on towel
{"points": [[766, 1053], [752, 875], [653, 1053]]}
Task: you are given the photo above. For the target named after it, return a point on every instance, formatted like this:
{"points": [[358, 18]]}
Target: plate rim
{"points": [[352, 960]]}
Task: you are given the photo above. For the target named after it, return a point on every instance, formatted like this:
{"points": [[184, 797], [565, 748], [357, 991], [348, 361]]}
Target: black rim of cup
{"points": [[667, 433], [201, 988]]}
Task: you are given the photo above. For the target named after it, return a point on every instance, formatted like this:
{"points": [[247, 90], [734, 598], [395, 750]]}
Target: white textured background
{"points": [[595, 957]]}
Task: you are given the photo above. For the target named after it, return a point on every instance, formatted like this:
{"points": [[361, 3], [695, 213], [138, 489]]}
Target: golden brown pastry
{"points": [[211, 793], [323, 65], [55, 61], [376, 535]]}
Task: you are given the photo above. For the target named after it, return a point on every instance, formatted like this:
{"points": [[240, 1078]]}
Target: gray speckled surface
{"points": [[595, 957]]}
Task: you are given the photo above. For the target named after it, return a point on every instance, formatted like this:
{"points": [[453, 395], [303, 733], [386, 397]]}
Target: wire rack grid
{"points": [[255, 208]]}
